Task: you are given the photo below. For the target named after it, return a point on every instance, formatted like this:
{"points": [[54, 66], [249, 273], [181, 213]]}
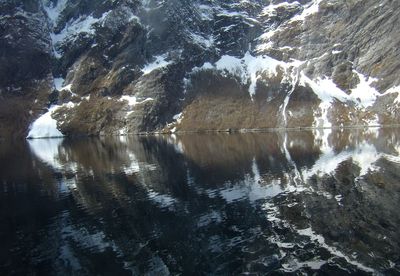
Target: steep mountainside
{"points": [[71, 67]]}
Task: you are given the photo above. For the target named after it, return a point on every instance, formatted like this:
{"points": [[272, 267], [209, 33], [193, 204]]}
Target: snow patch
{"points": [[83, 24], [45, 126], [325, 88], [248, 69], [54, 10], [312, 8], [66, 88], [364, 93], [58, 83], [80, 25], [393, 90], [158, 63], [178, 118], [270, 10], [205, 42], [294, 79], [206, 66], [132, 100]]}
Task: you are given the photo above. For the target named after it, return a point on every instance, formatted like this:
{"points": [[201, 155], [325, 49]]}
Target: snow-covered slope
{"points": [[222, 64]]}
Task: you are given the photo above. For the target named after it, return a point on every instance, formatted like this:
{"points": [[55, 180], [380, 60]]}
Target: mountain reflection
{"points": [[215, 203]]}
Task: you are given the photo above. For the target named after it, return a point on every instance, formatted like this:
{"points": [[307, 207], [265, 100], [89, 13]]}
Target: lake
{"points": [[194, 204]]}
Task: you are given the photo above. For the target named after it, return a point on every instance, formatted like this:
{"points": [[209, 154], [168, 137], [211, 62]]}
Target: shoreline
{"points": [[227, 131]]}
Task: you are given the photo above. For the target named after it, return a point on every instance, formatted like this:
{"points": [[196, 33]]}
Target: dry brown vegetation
{"points": [[90, 117]]}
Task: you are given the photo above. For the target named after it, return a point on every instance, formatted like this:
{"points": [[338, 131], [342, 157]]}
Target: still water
{"points": [[286, 202]]}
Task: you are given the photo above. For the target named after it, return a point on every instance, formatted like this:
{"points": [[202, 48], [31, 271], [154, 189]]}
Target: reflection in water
{"points": [[201, 204]]}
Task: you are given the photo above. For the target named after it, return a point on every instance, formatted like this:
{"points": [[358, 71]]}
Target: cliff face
{"points": [[25, 65], [129, 66]]}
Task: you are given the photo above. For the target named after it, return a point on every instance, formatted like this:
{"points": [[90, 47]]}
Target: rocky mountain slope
{"points": [[95, 67]]}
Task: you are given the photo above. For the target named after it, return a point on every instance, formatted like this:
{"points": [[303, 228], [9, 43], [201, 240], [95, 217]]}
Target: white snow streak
{"points": [[132, 100], [158, 63]]}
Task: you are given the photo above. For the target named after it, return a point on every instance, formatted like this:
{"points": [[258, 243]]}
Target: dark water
{"points": [[295, 202]]}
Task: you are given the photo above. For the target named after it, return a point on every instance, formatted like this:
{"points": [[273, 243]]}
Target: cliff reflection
{"points": [[285, 202]]}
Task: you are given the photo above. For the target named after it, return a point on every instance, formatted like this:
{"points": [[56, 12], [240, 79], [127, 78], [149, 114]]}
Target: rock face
{"points": [[25, 65], [130, 66]]}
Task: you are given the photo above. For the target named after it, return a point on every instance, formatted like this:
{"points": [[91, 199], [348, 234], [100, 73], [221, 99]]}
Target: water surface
{"points": [[288, 202]]}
